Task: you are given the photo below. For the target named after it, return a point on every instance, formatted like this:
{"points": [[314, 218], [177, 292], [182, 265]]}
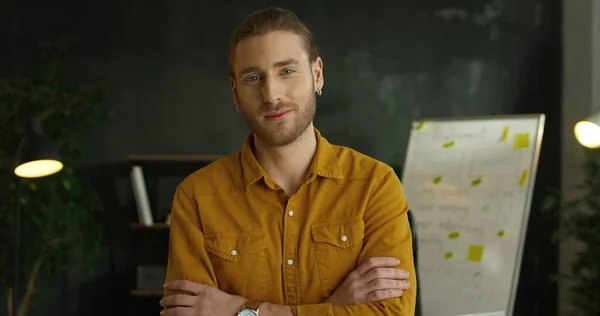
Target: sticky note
{"points": [[449, 255], [454, 235], [437, 180], [420, 125], [476, 182], [449, 144], [504, 136], [475, 253], [500, 233], [521, 141], [523, 178]]}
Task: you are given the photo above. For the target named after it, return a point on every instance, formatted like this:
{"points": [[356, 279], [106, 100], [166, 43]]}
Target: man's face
{"points": [[275, 86]]}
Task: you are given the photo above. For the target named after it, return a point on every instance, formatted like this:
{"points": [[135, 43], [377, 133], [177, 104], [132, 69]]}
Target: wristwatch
{"points": [[250, 308]]}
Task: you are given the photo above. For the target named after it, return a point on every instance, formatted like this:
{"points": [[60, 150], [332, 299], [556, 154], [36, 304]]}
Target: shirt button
{"points": [[233, 252], [309, 175], [344, 238], [290, 262], [291, 213]]}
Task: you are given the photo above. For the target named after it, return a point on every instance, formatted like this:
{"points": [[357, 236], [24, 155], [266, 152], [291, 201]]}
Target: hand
{"points": [[199, 300], [375, 279]]}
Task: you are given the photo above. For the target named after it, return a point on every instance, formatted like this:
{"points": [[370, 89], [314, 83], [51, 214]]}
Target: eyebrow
{"points": [[282, 63]]}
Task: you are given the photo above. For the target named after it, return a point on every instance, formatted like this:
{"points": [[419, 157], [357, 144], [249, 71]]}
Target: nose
{"points": [[271, 91]]}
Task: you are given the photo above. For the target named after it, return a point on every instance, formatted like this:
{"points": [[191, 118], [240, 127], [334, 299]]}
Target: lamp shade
{"points": [[36, 155], [587, 132]]}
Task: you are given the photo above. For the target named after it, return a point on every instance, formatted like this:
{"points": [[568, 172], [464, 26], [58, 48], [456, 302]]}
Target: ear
{"points": [[232, 85], [317, 69]]}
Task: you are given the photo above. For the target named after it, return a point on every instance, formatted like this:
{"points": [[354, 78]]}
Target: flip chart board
{"points": [[469, 183]]}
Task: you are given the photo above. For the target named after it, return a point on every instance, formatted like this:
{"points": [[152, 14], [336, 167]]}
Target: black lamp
{"points": [[36, 157]]}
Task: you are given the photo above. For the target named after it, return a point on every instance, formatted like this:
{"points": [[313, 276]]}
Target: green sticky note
{"points": [[505, 132], [420, 125], [521, 141], [475, 253], [454, 235], [449, 144], [523, 178]]}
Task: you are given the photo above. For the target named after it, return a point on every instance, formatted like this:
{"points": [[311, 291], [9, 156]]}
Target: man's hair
{"points": [[268, 20]]}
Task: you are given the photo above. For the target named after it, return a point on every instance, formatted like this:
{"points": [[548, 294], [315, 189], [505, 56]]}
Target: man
{"points": [[290, 224]]}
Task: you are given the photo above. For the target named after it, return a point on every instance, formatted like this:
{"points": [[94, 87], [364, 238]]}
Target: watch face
{"points": [[247, 312]]}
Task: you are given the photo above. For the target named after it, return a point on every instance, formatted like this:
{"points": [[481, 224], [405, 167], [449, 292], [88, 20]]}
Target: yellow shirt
{"points": [[233, 228]]}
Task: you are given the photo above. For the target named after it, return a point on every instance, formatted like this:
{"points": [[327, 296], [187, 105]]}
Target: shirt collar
{"points": [[324, 163]]}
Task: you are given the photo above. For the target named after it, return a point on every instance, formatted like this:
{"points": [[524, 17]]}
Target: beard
{"points": [[286, 131]]}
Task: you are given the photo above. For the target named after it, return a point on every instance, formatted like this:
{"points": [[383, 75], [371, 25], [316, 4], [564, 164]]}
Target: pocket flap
{"points": [[234, 246], [340, 233]]}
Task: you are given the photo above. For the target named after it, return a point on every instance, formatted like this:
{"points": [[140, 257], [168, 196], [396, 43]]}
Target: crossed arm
{"points": [[370, 291]]}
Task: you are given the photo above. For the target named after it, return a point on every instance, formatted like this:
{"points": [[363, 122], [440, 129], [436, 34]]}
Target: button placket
{"points": [[290, 240]]}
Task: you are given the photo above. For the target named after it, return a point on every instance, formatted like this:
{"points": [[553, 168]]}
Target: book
{"points": [[141, 196]]}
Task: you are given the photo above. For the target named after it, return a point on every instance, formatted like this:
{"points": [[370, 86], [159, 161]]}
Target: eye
{"points": [[287, 71], [252, 78]]}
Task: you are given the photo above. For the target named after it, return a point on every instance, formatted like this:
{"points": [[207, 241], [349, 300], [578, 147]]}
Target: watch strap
{"points": [[253, 304]]}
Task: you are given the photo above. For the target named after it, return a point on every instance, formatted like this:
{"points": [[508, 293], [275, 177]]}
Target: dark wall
{"points": [[386, 63]]}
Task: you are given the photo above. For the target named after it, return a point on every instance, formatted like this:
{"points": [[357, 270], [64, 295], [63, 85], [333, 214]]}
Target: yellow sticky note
{"points": [[505, 132], [476, 182], [449, 144], [523, 178], [454, 235], [420, 125], [449, 255], [475, 253], [437, 180], [500, 233], [521, 141]]}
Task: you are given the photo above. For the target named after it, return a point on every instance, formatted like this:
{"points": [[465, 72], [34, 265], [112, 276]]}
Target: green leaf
{"points": [[579, 221]]}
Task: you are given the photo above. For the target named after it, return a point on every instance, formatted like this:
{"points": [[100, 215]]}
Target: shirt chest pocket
{"points": [[239, 262], [337, 247]]}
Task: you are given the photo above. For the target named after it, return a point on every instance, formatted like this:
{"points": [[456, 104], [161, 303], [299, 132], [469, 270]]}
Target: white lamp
{"points": [[587, 132]]}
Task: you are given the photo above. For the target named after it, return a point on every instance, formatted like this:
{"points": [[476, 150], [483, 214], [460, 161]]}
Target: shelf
{"points": [[172, 158], [146, 292], [154, 226]]}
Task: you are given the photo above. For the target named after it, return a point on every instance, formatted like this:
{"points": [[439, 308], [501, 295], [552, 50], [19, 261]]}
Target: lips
{"points": [[277, 115]]}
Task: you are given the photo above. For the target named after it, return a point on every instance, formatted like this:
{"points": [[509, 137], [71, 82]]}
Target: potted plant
{"points": [[60, 229], [579, 219]]}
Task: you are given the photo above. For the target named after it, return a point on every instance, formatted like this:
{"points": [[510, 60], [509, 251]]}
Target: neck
{"points": [[288, 165]]}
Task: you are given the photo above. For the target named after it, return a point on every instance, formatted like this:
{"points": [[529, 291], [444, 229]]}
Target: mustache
{"points": [[272, 107]]}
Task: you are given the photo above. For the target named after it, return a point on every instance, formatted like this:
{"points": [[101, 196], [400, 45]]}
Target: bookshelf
{"points": [[148, 293], [154, 226], [148, 244]]}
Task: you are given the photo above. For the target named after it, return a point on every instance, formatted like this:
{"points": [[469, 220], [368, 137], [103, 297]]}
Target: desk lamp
{"points": [[36, 157]]}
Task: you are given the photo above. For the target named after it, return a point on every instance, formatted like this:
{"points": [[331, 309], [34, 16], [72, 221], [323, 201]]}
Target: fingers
{"points": [[377, 262], [185, 286], [178, 300], [385, 273], [382, 295], [386, 284], [178, 311]]}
